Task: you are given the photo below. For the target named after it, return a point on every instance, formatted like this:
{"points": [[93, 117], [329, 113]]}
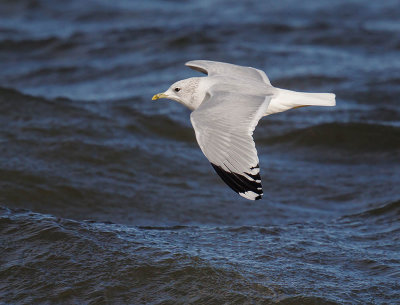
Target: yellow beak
{"points": [[159, 95]]}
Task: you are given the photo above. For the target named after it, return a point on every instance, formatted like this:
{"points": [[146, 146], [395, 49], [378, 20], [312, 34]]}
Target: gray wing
{"points": [[220, 68], [224, 125]]}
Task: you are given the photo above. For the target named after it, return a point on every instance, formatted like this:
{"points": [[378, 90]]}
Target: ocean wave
{"points": [[211, 34], [40, 46], [75, 118], [39, 116], [360, 137], [390, 210], [26, 44], [347, 37], [353, 136], [305, 300], [14, 97], [86, 261], [163, 228], [57, 75], [161, 126], [20, 111]]}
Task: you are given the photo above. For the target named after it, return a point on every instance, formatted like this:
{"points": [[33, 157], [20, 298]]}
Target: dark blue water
{"points": [[106, 198]]}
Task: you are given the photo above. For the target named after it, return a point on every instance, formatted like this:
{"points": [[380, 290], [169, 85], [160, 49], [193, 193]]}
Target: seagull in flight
{"points": [[226, 106]]}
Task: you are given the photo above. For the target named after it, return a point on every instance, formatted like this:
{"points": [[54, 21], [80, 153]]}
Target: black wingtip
{"points": [[240, 183]]}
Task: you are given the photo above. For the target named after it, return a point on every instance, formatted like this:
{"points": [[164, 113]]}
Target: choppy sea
{"points": [[106, 198]]}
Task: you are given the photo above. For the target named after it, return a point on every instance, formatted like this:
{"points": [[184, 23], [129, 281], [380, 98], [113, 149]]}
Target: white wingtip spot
{"points": [[251, 195], [255, 170]]}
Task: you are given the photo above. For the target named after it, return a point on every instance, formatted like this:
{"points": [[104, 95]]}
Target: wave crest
{"points": [[346, 136]]}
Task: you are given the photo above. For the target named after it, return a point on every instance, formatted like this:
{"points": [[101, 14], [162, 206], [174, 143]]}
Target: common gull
{"points": [[226, 106]]}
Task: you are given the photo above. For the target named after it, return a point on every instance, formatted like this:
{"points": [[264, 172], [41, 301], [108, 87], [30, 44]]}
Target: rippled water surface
{"points": [[106, 198]]}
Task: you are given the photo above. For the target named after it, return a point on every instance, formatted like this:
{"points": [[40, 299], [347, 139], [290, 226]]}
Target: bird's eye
{"points": [[177, 89]]}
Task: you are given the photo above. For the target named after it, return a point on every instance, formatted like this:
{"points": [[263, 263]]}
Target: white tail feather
{"points": [[287, 99]]}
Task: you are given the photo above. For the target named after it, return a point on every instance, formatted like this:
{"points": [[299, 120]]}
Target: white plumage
{"points": [[227, 105]]}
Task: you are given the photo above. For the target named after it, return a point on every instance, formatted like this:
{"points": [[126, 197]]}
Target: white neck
{"points": [[197, 83]]}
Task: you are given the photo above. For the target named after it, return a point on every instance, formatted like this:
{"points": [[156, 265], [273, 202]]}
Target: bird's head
{"points": [[183, 91]]}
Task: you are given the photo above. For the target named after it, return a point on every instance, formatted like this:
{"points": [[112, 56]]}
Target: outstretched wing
{"points": [[220, 68], [224, 125]]}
